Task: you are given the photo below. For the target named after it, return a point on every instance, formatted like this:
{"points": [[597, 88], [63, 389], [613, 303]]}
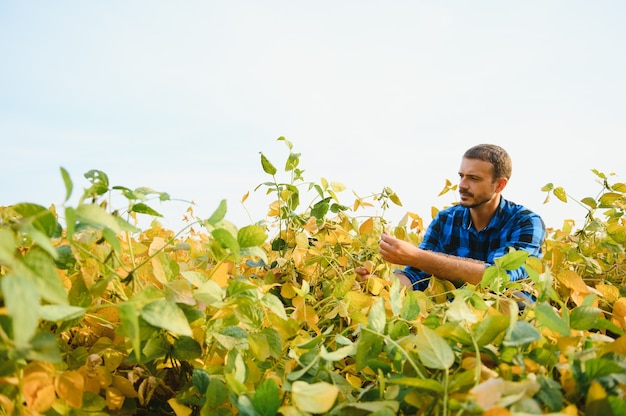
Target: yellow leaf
{"points": [[357, 301], [367, 227], [619, 312], [375, 285], [314, 398], [179, 409], [306, 313], [70, 386], [573, 281], [39, 391], [288, 291], [343, 261], [609, 292], [337, 186], [114, 398], [124, 386], [354, 380], [245, 196], [6, 404], [220, 274]]}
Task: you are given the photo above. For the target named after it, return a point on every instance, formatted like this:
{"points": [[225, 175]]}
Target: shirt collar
{"points": [[467, 217]]}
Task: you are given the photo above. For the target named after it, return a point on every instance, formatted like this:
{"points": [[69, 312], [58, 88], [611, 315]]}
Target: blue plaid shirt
{"points": [[452, 232]]}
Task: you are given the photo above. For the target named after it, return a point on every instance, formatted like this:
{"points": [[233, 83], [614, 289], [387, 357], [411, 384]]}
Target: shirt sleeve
{"points": [[528, 234]]}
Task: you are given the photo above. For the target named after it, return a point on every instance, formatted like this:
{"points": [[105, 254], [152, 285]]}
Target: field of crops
{"points": [[102, 317]]}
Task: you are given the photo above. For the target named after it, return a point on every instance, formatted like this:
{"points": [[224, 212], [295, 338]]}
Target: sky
{"points": [[182, 97]]}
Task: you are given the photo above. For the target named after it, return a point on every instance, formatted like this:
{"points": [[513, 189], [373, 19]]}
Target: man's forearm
{"points": [[448, 267]]}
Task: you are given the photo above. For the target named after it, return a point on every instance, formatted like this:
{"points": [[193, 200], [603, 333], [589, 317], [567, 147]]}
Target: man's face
{"points": [[476, 184]]}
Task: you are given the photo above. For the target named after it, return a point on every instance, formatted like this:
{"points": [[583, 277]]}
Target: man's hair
{"points": [[497, 156]]}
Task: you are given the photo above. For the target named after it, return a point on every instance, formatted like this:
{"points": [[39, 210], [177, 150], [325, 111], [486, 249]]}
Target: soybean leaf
{"points": [[266, 398], [314, 398], [40, 217], [142, 208], [200, 379], [267, 165], [523, 333], [67, 181], [56, 313], [129, 327], [219, 214], [377, 317], [547, 316], [489, 328], [513, 260], [427, 384], [433, 350], [251, 236], [166, 315], [21, 299]]}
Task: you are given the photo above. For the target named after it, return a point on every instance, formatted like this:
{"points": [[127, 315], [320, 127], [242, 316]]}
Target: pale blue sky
{"points": [[182, 96]]}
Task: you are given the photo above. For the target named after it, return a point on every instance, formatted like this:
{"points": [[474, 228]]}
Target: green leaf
{"points": [[200, 379], [490, 275], [41, 270], [8, 247], [585, 317], [369, 345], [40, 217], [267, 165], [166, 315], [96, 216], [216, 394], [40, 239], [513, 260], [377, 317], [44, 347], [69, 186], [292, 161], [395, 299], [320, 209], [99, 181], [21, 299], [433, 350], [489, 328], [523, 333], [547, 316], [429, 385], [56, 313], [590, 202], [129, 327], [142, 208], [226, 240], [186, 349], [251, 236], [274, 304], [70, 222], [219, 213], [266, 398]]}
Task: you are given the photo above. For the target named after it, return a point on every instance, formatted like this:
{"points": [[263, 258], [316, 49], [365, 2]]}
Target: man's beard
{"points": [[475, 204]]}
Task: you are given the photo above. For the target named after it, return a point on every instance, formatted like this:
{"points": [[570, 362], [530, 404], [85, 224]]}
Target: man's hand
{"points": [[397, 251]]}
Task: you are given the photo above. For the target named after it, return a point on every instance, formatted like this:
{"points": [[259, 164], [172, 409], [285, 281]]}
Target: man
{"points": [[466, 238]]}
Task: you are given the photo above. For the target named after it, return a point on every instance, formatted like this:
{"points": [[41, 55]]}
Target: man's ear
{"points": [[501, 184]]}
